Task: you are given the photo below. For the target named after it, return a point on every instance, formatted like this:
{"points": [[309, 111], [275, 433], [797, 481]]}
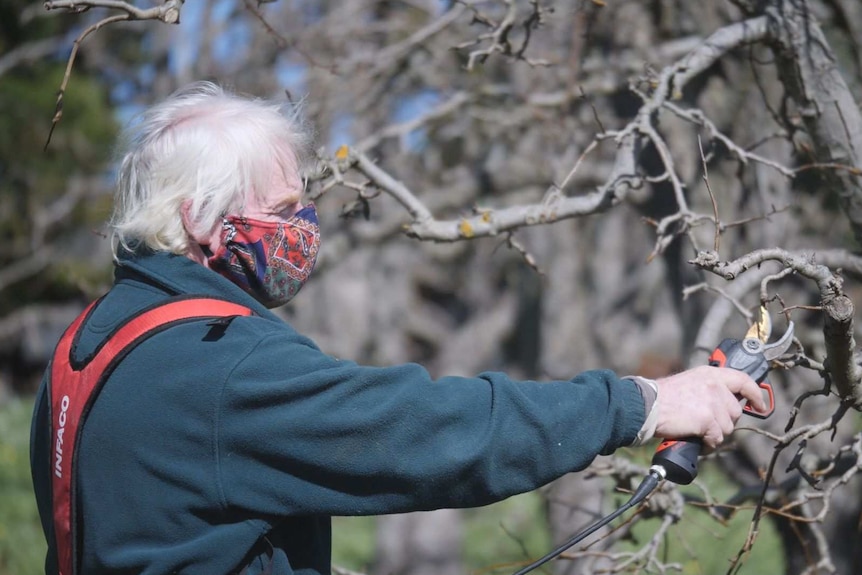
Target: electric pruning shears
{"points": [[676, 460], [751, 355]]}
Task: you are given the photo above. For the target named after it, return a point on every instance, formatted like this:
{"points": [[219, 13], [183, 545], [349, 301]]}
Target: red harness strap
{"points": [[73, 389]]}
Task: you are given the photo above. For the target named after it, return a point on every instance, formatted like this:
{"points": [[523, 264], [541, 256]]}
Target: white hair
{"points": [[205, 146]]}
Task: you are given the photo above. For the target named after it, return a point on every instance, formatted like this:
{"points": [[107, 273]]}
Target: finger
{"points": [[712, 438], [733, 406], [725, 422], [739, 383]]}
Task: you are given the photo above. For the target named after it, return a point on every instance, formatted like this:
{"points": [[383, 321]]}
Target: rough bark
{"points": [[809, 70]]}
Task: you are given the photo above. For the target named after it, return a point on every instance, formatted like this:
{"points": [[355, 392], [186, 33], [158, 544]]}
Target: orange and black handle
{"points": [[746, 356], [679, 457]]}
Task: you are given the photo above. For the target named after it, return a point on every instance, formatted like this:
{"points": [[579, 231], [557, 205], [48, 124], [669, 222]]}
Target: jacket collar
{"points": [[176, 274]]}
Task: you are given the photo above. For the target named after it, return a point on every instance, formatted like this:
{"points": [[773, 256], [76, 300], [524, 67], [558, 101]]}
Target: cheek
{"points": [[214, 238], [290, 210]]}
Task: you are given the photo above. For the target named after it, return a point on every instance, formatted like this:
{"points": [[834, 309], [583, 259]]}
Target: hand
{"points": [[704, 402]]}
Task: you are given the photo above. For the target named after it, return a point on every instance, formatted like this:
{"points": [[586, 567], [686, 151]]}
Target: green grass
{"points": [[500, 538], [701, 545], [22, 544], [497, 538], [353, 542]]}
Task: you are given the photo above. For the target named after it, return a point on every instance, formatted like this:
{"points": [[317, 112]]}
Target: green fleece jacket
{"points": [[207, 456]]}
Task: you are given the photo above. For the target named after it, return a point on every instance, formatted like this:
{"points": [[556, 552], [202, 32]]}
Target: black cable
{"points": [[649, 483]]}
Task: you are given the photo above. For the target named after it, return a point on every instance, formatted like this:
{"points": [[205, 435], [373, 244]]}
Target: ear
{"points": [[189, 223], [201, 244]]}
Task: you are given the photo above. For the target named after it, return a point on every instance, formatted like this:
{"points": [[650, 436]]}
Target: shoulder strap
{"points": [[73, 388]]}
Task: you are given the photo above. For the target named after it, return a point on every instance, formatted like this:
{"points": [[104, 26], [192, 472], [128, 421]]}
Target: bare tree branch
{"points": [[837, 307], [169, 13]]}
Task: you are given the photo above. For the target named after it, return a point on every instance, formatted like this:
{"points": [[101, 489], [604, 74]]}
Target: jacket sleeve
{"points": [[300, 432]]}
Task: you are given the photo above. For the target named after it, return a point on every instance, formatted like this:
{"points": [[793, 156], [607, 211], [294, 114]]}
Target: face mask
{"points": [[269, 260]]}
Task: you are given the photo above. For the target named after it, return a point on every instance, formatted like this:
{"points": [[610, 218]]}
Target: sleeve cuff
{"points": [[649, 394]]}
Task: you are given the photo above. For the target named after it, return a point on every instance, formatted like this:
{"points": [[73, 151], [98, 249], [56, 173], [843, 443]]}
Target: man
{"points": [[224, 447]]}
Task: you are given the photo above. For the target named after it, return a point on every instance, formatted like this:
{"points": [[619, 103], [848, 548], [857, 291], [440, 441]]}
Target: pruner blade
{"points": [[774, 350]]}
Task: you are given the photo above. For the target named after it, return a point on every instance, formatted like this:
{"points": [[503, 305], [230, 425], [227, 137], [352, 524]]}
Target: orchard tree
{"points": [[549, 186]]}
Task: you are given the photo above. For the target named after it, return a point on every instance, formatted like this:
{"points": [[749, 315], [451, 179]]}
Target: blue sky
{"points": [[229, 50]]}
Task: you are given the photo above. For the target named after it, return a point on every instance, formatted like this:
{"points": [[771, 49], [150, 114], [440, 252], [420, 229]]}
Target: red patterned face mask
{"points": [[269, 260]]}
